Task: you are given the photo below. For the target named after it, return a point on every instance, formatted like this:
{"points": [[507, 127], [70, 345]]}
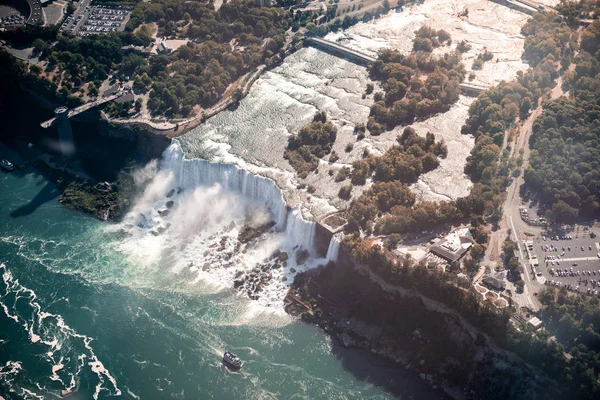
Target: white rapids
{"points": [[189, 218]]}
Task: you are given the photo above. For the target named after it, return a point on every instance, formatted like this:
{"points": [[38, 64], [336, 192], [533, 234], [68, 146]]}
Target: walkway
{"points": [[84, 108]]}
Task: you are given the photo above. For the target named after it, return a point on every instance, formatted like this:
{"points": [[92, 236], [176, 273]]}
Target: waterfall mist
{"points": [[188, 218]]}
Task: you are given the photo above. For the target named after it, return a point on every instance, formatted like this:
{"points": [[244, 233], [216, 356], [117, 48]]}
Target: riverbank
{"points": [[402, 329], [97, 178]]}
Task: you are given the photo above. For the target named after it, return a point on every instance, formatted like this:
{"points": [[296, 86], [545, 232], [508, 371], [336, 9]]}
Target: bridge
{"points": [[471, 90], [525, 6], [364, 59], [338, 49], [84, 108], [533, 4]]}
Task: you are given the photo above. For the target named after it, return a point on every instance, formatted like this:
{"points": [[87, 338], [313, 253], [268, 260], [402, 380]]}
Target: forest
{"points": [[575, 320], [227, 44], [416, 85], [564, 170], [389, 197]]}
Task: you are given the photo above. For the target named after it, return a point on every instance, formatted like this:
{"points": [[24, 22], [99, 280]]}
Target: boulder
{"points": [[170, 193], [301, 256], [169, 204], [347, 340], [283, 256]]}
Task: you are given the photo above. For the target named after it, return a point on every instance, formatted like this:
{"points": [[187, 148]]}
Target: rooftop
{"points": [[454, 245]]}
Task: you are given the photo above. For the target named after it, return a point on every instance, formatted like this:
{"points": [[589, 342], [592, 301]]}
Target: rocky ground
{"points": [[104, 200], [404, 330]]}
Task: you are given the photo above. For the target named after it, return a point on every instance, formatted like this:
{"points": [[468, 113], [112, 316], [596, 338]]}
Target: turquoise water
{"points": [[79, 315]]}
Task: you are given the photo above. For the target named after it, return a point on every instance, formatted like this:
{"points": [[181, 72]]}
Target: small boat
{"points": [[231, 360], [7, 165]]}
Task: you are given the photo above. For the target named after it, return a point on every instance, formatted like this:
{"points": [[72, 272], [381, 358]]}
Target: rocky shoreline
{"points": [[435, 345], [105, 200]]}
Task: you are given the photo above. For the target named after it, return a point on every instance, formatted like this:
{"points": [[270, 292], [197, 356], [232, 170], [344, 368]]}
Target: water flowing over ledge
{"points": [[196, 172]]}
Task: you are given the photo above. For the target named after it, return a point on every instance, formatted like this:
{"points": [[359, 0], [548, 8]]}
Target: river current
{"points": [[145, 308]]}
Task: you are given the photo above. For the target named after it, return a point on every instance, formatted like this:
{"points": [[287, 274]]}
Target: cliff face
{"points": [[439, 345], [103, 152]]}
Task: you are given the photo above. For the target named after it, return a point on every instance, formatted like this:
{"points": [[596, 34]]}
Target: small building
{"points": [[454, 246], [162, 48], [535, 323], [495, 282]]}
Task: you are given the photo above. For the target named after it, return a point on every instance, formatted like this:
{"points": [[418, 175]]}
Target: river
{"points": [[83, 310], [145, 308]]}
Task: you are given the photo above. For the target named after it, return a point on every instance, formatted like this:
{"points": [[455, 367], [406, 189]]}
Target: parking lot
{"points": [[94, 19], [570, 260]]}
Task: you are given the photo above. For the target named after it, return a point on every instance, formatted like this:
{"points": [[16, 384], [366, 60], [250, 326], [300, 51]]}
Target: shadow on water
{"points": [[48, 193], [392, 377]]}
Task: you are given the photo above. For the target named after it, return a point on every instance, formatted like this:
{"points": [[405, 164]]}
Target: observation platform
{"points": [[83, 108]]}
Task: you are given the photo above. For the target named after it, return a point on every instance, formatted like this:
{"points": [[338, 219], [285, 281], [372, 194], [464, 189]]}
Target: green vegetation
{"points": [[416, 86], [564, 168], [575, 321], [564, 161], [29, 78], [103, 200], [512, 264], [547, 38], [389, 199], [321, 26], [345, 192], [496, 111], [444, 288], [311, 143], [428, 38], [199, 73], [227, 44], [482, 58]]}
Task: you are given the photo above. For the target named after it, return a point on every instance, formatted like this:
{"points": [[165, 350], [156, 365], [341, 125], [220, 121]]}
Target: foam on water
{"points": [[67, 350], [188, 220]]}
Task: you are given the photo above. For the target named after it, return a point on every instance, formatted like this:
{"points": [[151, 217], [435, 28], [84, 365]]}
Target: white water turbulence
{"points": [[333, 252], [67, 353], [188, 222]]}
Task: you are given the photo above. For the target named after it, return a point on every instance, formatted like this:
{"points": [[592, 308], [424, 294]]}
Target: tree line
{"points": [[564, 170]]}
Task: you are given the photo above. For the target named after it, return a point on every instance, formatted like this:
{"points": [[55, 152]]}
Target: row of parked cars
{"points": [[590, 290], [15, 19], [566, 272], [557, 237]]}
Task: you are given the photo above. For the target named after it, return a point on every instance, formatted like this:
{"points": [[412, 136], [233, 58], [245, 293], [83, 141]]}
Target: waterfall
{"points": [[192, 173], [333, 251]]}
